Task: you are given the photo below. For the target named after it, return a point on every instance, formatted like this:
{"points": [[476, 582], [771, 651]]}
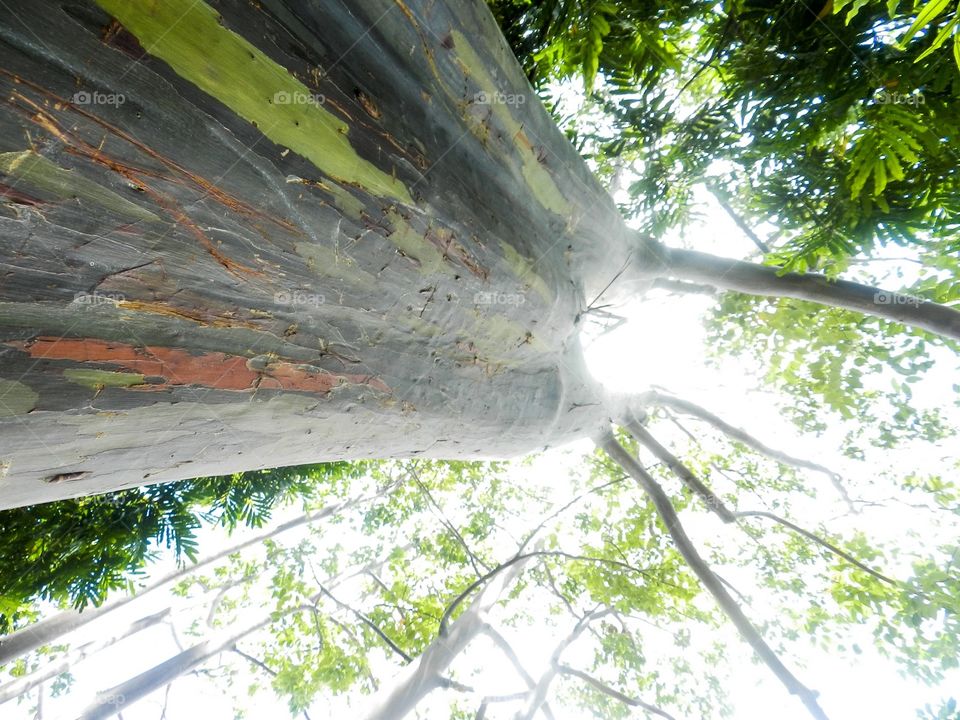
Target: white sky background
{"points": [[662, 344]]}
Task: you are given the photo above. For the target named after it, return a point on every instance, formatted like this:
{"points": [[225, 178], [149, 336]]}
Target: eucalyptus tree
{"points": [[252, 235]]}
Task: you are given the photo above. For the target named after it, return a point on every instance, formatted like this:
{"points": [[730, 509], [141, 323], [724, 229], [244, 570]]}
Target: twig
{"points": [[615, 694]]}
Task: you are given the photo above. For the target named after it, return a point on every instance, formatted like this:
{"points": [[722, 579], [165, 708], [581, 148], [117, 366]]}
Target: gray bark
{"points": [[307, 233], [285, 232]]}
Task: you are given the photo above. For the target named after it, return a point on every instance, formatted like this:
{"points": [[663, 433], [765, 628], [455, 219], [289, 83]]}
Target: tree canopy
{"points": [[656, 566]]}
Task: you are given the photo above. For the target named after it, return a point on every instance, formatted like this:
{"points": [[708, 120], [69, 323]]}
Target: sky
{"points": [[662, 343]]}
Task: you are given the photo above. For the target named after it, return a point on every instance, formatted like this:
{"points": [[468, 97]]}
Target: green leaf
{"points": [[930, 11]]}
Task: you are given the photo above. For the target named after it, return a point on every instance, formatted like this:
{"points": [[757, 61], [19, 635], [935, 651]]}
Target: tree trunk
{"points": [[279, 232], [271, 233]]}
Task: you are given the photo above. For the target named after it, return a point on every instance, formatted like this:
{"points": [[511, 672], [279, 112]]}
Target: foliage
{"points": [[75, 552], [834, 124], [365, 590]]}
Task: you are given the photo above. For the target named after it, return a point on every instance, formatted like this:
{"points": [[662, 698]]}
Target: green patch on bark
{"points": [[16, 398], [522, 268], [329, 263], [498, 338], [414, 244], [32, 170], [346, 203], [343, 199], [96, 379], [188, 36], [535, 174]]}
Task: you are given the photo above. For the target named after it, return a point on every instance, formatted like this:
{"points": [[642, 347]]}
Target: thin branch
{"points": [[474, 560], [654, 397], [370, 624], [254, 661], [451, 608], [490, 699], [507, 649], [820, 541], [539, 694], [724, 202], [682, 471], [719, 508], [566, 506], [166, 701], [615, 694], [748, 632]]}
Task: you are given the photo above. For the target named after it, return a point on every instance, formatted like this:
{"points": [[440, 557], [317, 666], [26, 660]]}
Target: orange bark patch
{"points": [[175, 366], [180, 367]]}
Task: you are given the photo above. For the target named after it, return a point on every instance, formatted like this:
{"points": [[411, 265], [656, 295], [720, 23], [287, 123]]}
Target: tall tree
{"points": [[248, 234], [254, 234]]}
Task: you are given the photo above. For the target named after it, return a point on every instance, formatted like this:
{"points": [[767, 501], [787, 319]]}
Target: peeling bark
{"points": [[263, 232]]}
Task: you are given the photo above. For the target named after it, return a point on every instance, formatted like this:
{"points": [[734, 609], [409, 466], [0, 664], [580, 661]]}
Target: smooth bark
{"points": [[246, 234]]}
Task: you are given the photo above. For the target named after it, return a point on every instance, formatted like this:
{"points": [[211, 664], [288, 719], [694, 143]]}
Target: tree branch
{"points": [[719, 508], [507, 649], [474, 560], [17, 687], [748, 632], [370, 624], [686, 288], [253, 661], [451, 608], [615, 694], [539, 693], [654, 397], [724, 202], [766, 281]]}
